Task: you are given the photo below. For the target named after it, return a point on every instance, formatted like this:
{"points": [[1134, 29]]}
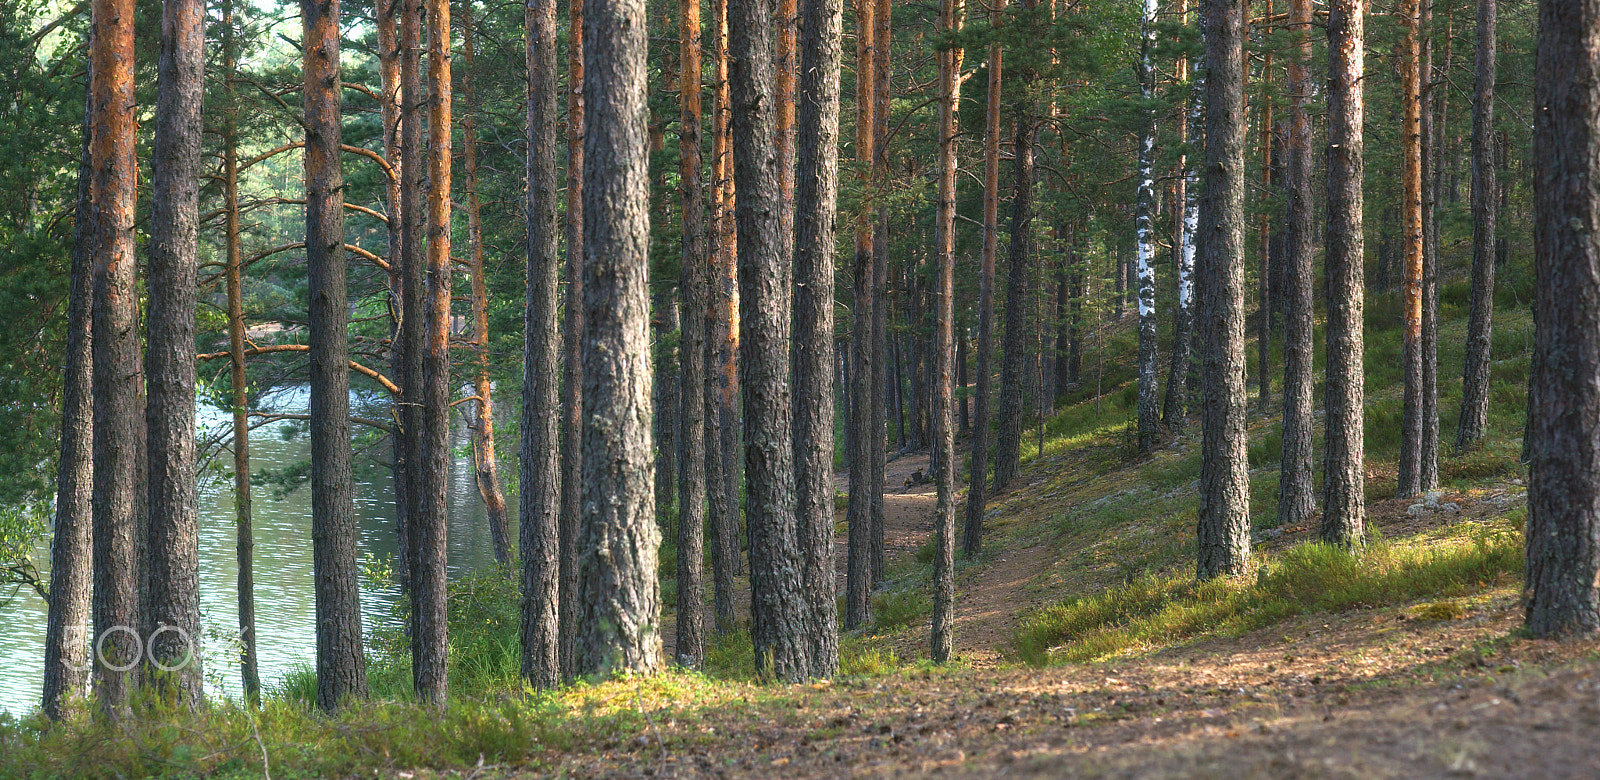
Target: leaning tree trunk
{"points": [[977, 487], [691, 487], [1224, 522], [858, 512], [66, 646], [617, 585], [944, 444], [777, 611], [539, 516], [1475, 373], [1564, 401], [572, 345], [118, 426], [1296, 501], [1149, 423], [1410, 469], [429, 640], [817, 181], [341, 664], [1343, 477]]}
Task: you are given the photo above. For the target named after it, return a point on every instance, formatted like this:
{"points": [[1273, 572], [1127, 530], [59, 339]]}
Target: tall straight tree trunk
{"points": [[1296, 501], [172, 622], [777, 610], [1475, 373], [429, 640], [412, 212], [1173, 409], [66, 646], [1343, 475], [341, 663], [1224, 522], [1564, 402], [1149, 422], [572, 344], [1434, 119], [1265, 271], [118, 426], [1015, 368], [977, 486], [784, 62], [881, 51], [691, 485], [618, 590], [485, 463], [817, 177], [539, 516], [387, 23], [944, 444], [1411, 424], [722, 344], [858, 512]]}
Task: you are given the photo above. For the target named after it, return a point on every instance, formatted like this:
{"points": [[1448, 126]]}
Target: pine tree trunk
{"points": [[412, 212], [1173, 409], [1343, 475], [1296, 502], [485, 463], [539, 519], [118, 425], [722, 344], [1015, 367], [1224, 522], [1564, 401], [387, 23], [858, 512], [429, 641], [1411, 423], [690, 649], [66, 646], [341, 662], [572, 344], [1475, 374], [1148, 417], [881, 51], [1268, 242], [944, 445], [617, 585], [977, 486], [817, 174], [1432, 126]]}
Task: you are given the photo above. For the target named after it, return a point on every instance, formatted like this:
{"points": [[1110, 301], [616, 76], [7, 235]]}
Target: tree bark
{"points": [[618, 590], [1014, 369], [572, 338], [1224, 521], [485, 463], [690, 649], [429, 640], [881, 51], [1296, 501], [944, 445], [1265, 270], [1564, 400], [390, 57], [1343, 475], [1185, 214], [817, 176], [1148, 417], [858, 512], [539, 519], [977, 487], [1432, 126], [1410, 468], [1475, 373], [723, 335], [412, 212], [341, 662], [118, 426]]}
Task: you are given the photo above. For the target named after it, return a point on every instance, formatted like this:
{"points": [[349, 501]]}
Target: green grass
{"points": [[1154, 611]]}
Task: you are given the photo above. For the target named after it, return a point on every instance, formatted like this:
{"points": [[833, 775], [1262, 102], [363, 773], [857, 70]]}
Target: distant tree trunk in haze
{"points": [[1016, 368], [858, 512], [1475, 374], [66, 646], [881, 47], [341, 660], [429, 643], [777, 609], [572, 344], [722, 344], [172, 622], [1408, 61], [816, 194], [1296, 500], [944, 444], [539, 517], [1343, 475], [1184, 218], [1564, 401], [1148, 416], [118, 425], [977, 487], [485, 463], [620, 625], [1224, 522], [691, 487]]}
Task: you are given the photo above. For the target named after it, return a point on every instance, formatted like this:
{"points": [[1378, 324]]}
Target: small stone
{"points": [[1450, 506], [1417, 510], [1432, 499]]}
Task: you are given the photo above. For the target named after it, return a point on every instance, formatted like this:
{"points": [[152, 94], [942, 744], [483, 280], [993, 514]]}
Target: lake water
{"points": [[285, 626]]}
